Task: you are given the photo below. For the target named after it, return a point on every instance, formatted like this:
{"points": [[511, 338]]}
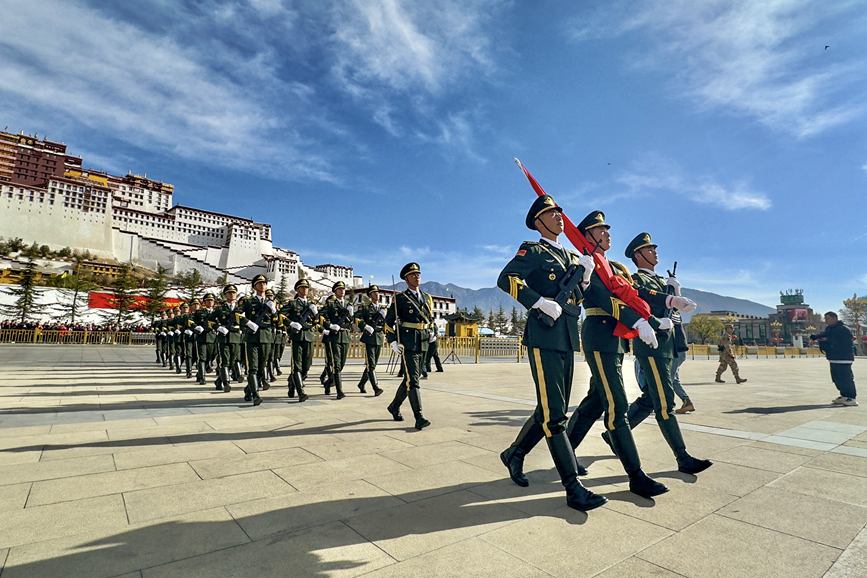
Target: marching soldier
{"points": [[370, 319], [258, 310], [243, 359], [433, 352], [727, 355], [533, 277], [206, 338], [302, 316], [174, 340], [159, 337], [407, 326], [269, 366], [658, 396], [603, 350], [337, 324], [279, 338], [228, 317], [189, 340]]}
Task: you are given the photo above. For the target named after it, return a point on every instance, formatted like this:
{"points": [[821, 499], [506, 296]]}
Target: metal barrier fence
{"points": [[464, 348]]}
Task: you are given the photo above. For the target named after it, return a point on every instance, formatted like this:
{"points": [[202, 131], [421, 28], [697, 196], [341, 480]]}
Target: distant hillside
{"points": [[491, 298]]}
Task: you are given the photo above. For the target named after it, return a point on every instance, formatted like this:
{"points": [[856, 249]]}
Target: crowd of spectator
{"points": [[35, 325]]}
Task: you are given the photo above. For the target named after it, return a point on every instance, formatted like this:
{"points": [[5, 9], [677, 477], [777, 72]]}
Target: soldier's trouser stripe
{"points": [[543, 391], [608, 395], [662, 399]]}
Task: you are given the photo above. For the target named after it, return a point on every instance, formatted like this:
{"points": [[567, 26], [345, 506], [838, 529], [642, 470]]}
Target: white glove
{"points": [[369, 329], [271, 306], [334, 327], [589, 265], [383, 312], [187, 332], [222, 330], [683, 303], [351, 310], [253, 327], [433, 338], [325, 332], [673, 282], [646, 333], [163, 334], [396, 347], [549, 307], [177, 331], [313, 309], [199, 328], [666, 324], [295, 325]]}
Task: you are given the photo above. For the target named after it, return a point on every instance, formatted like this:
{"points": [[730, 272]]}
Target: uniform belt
{"points": [[419, 326], [596, 312]]}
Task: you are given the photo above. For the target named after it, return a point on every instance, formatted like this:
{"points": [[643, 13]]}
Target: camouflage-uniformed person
{"points": [[533, 278], [407, 328], [228, 318], [370, 320], [301, 315], [727, 355], [337, 328], [258, 310]]}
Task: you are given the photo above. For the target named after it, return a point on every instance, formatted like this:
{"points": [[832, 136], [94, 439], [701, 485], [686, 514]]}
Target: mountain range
{"points": [[492, 298]]}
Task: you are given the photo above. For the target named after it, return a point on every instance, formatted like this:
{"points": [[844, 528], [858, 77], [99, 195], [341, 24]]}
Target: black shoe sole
{"points": [[587, 506], [697, 470], [649, 495], [420, 425]]}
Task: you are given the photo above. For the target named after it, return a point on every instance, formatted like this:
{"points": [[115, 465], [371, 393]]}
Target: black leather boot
{"points": [[224, 372], [394, 406], [577, 496], [685, 462], [277, 369], [639, 482], [363, 381], [299, 386], [236, 372], [177, 363], [188, 365], [415, 403], [291, 384], [200, 374], [269, 371], [338, 385], [377, 391], [252, 387], [513, 456]]}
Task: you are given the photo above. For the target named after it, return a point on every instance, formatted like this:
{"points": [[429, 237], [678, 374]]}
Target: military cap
{"points": [[229, 288], [409, 268], [269, 293], [301, 283], [210, 296], [258, 279], [195, 300], [372, 288], [338, 285], [640, 241], [541, 205], [594, 219], [182, 305]]}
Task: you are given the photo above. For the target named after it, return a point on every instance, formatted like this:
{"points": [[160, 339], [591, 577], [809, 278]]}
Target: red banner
{"points": [[103, 300]]}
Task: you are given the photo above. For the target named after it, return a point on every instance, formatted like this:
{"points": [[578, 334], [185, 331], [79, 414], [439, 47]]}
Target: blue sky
{"points": [[370, 133]]}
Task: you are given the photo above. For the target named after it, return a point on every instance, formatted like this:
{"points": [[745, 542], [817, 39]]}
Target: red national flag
{"points": [[618, 286]]}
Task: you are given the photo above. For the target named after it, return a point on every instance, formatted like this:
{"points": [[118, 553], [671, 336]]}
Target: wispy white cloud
{"points": [[864, 167], [764, 60]]}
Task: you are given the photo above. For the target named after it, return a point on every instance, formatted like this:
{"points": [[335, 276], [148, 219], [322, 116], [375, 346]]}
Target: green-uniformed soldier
{"points": [[228, 317], [655, 363], [337, 327], [174, 339], [603, 351], [258, 311], [206, 337], [533, 277], [244, 330], [727, 355], [302, 316], [370, 319], [159, 337], [269, 365], [280, 336], [407, 328], [188, 338]]}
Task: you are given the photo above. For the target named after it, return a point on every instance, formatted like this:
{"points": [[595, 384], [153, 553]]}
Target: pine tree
{"points": [[73, 304], [122, 298], [478, 314], [517, 322], [500, 321], [26, 295], [191, 284], [157, 288], [282, 293], [491, 320]]}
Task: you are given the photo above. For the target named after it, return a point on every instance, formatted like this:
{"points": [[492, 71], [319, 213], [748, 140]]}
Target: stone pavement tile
{"points": [[432, 435], [492, 442], [419, 457], [282, 439], [719, 546], [329, 550], [432, 481], [816, 435], [784, 448], [105, 553], [422, 526], [52, 440], [103, 425], [8, 458], [233, 423], [16, 474], [13, 497], [4, 552], [173, 432], [853, 561], [154, 503], [836, 426], [290, 512], [855, 465], [228, 466], [825, 484], [684, 504], [157, 455], [560, 544], [473, 557], [762, 459], [337, 447], [92, 485], [810, 517], [19, 432], [314, 475], [47, 522], [636, 568], [722, 477]]}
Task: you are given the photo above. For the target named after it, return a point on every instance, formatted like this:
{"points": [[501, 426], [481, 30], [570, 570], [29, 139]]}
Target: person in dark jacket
{"points": [[836, 342]]}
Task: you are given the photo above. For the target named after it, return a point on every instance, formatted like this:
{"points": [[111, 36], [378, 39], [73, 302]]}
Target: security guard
{"points": [[206, 337], [302, 315], [337, 316], [258, 310], [533, 278], [227, 316], [727, 355], [603, 350], [407, 328], [370, 319], [655, 363]]}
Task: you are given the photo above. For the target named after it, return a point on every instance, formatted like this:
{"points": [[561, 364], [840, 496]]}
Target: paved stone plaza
{"points": [[113, 466]]}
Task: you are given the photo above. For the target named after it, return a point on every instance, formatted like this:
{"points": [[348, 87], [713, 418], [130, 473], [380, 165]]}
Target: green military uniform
{"points": [[280, 338], [407, 323], [188, 340], [174, 341], [604, 351], [337, 322], [301, 315], [370, 320], [243, 358], [533, 278], [227, 316], [727, 356], [258, 311], [206, 338], [159, 338]]}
